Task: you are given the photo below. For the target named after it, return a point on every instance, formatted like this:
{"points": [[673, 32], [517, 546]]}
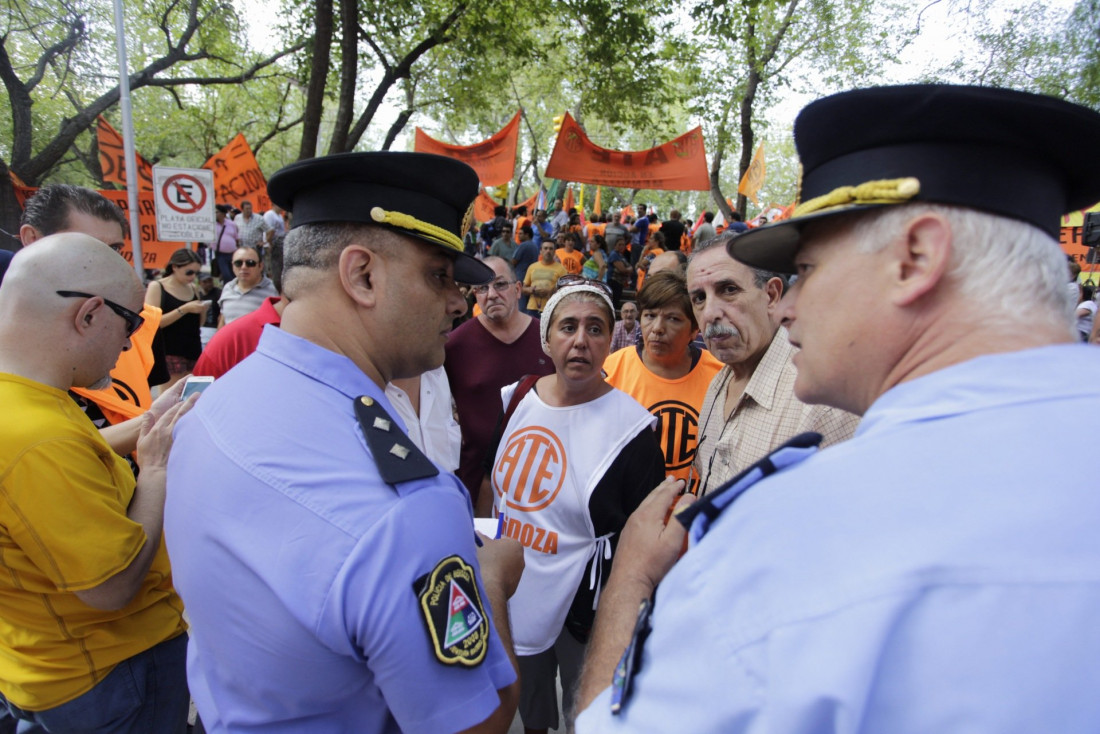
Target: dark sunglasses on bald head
{"points": [[249, 262], [133, 320]]}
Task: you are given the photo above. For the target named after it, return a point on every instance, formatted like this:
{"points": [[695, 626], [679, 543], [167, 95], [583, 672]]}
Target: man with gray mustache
{"points": [[750, 407]]}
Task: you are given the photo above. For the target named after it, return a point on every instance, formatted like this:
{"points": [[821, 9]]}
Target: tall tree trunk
{"points": [[718, 156], [349, 66], [318, 73], [748, 136], [9, 210]]}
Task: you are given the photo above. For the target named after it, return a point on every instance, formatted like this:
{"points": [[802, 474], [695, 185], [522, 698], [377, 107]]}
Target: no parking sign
{"points": [[184, 200]]}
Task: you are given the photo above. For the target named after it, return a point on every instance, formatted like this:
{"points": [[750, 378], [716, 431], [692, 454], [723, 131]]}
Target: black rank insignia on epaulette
{"points": [[453, 613], [397, 457]]}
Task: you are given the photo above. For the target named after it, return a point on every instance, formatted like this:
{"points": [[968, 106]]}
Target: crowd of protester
{"points": [[384, 381]]}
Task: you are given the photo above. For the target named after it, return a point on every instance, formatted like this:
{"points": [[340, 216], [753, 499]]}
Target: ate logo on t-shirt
{"points": [[531, 469], [677, 431]]}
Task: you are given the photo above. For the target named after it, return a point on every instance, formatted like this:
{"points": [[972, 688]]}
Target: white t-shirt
{"points": [[1084, 323]]}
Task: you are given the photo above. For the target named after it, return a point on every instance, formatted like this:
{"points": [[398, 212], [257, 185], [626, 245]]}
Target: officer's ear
{"points": [[920, 257], [358, 267]]}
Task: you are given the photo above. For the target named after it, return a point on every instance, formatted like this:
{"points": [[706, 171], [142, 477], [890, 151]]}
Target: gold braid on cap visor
{"points": [[890, 191], [412, 224]]}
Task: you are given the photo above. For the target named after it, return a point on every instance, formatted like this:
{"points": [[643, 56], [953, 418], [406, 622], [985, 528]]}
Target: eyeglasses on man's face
{"points": [[241, 263], [133, 320], [500, 285]]}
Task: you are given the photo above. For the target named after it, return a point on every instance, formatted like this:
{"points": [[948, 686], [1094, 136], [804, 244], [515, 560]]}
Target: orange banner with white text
{"points": [[237, 176], [112, 158], [154, 253], [493, 159], [678, 165]]}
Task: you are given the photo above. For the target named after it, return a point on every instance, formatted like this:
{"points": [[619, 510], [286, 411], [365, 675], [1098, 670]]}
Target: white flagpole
{"points": [[128, 142]]}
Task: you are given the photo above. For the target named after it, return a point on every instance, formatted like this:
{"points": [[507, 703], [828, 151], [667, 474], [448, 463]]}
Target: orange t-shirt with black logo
{"points": [[573, 262], [675, 404]]}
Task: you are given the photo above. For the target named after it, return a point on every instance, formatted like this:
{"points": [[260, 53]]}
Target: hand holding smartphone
{"points": [[195, 384]]}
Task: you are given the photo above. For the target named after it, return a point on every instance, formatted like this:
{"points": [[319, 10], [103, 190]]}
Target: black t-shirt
{"points": [[673, 230]]}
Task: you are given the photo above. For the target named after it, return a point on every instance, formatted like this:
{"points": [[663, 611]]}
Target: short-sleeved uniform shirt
{"points": [[300, 565], [63, 528], [938, 572]]}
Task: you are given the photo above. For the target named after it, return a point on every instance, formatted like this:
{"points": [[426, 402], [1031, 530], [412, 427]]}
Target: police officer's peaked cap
{"points": [[429, 197], [1009, 153]]}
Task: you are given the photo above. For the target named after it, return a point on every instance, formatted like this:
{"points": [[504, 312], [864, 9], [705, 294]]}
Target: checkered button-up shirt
{"points": [[251, 231], [620, 337], [767, 414]]}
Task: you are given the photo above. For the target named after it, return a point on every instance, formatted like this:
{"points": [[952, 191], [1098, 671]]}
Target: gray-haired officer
{"points": [[941, 570], [329, 568]]}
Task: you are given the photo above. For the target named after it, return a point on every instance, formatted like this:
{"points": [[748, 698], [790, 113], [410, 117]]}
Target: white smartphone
{"points": [[195, 384]]}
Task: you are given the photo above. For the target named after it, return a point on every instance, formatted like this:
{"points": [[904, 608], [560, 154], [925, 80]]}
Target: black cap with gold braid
{"points": [[1014, 154], [426, 196]]}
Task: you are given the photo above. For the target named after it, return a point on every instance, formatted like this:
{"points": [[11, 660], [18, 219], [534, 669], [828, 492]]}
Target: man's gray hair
{"points": [[314, 248], [760, 277], [1004, 267]]}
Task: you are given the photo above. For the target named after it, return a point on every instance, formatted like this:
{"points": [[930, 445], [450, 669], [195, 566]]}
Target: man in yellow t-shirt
{"points": [[667, 374], [541, 279], [56, 208], [92, 633]]}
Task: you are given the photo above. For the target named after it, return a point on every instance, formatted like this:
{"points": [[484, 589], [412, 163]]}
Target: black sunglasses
{"points": [[133, 320], [242, 263]]}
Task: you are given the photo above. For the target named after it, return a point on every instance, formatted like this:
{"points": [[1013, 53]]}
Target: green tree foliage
{"points": [[751, 51], [1036, 47], [466, 65], [58, 68]]}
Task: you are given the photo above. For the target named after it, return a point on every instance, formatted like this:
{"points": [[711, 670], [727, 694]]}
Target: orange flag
{"points": [[493, 159], [237, 176], [112, 158], [596, 203], [678, 165], [754, 177], [569, 203], [529, 203], [483, 207]]}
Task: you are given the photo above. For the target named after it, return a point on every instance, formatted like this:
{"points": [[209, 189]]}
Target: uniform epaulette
{"points": [[397, 457]]}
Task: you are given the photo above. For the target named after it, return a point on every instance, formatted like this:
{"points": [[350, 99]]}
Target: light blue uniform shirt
{"points": [[297, 562], [940, 572]]}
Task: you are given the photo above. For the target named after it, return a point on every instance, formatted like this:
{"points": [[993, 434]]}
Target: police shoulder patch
{"points": [[453, 613]]}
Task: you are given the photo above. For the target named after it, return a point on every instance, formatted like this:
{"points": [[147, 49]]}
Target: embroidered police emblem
{"points": [[453, 613]]}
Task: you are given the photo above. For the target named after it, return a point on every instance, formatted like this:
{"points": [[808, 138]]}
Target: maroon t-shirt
{"points": [[478, 365]]}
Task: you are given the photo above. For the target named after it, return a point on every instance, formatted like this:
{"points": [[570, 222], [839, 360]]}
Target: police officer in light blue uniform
{"points": [[941, 570], [329, 568]]}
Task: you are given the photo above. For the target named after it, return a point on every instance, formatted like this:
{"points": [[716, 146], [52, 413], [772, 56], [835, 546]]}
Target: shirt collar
{"points": [[989, 381], [765, 378], [314, 361]]}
